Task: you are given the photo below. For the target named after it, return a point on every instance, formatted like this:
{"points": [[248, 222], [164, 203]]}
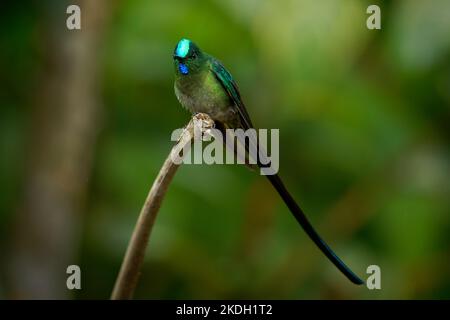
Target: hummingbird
{"points": [[203, 85]]}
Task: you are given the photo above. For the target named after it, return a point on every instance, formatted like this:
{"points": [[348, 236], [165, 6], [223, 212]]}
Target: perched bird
{"points": [[203, 85]]}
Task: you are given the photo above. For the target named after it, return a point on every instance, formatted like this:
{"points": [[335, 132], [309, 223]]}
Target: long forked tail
{"points": [[289, 200], [312, 233]]}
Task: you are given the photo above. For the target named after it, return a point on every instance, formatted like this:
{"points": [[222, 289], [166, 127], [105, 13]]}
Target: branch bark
{"points": [[130, 270]]}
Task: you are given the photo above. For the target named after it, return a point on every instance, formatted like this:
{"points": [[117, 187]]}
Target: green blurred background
{"points": [[85, 125]]}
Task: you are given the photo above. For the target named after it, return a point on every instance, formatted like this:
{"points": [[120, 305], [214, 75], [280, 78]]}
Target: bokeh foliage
{"points": [[364, 126]]}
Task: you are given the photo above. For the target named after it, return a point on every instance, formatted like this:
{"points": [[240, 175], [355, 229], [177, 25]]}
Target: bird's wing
{"points": [[230, 86]]}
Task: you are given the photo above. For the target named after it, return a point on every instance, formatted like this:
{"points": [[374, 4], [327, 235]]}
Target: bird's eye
{"points": [[194, 55]]}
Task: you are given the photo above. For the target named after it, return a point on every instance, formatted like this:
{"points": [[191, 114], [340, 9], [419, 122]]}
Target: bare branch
{"points": [[130, 270]]}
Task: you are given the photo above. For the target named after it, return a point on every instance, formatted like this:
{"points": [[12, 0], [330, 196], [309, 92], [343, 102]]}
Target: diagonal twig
{"points": [[131, 265]]}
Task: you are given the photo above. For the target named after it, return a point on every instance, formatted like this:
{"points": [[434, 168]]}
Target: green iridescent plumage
{"points": [[202, 84]]}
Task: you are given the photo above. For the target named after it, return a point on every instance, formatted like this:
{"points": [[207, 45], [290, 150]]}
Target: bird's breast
{"points": [[204, 94]]}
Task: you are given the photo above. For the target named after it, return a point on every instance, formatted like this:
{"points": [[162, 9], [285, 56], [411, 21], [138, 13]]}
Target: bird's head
{"points": [[187, 57]]}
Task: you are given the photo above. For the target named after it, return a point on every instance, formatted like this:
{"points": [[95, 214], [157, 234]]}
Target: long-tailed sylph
{"points": [[202, 84]]}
